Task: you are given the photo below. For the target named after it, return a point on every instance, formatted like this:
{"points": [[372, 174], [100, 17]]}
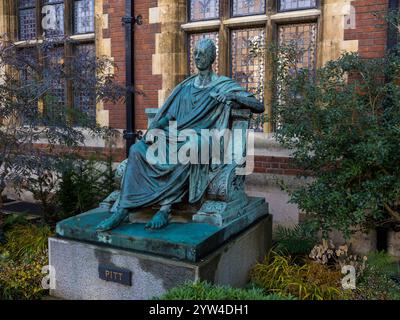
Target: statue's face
{"points": [[202, 58]]}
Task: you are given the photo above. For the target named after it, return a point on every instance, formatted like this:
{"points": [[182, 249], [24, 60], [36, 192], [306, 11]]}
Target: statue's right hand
{"points": [[149, 138]]}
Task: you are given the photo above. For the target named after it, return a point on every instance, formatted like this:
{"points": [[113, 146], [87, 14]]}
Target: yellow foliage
{"points": [[310, 281], [21, 261], [26, 241]]}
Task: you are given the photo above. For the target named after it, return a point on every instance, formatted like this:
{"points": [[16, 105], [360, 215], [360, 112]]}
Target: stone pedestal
{"points": [[181, 239], [77, 265]]}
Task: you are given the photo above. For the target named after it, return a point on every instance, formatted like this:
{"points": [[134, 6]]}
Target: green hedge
{"points": [[207, 291]]}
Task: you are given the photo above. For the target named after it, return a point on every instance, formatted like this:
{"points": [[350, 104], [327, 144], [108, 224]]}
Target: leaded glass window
{"points": [[83, 16], [193, 39], [248, 59], [56, 28], [247, 7], [54, 76], [84, 94], [287, 5], [303, 36], [29, 58], [27, 19], [248, 63], [29, 84], [204, 10]]}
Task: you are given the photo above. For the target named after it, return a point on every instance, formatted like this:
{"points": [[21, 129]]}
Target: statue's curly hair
{"points": [[210, 46]]}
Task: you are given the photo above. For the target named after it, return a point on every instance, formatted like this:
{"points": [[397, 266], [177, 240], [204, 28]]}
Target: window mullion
{"points": [[68, 53], [39, 29], [269, 73], [68, 7]]}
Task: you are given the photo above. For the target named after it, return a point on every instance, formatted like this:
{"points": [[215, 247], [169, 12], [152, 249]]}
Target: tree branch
{"points": [[394, 214]]}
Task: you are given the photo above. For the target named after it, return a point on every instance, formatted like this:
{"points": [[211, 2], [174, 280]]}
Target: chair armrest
{"points": [[150, 113]]}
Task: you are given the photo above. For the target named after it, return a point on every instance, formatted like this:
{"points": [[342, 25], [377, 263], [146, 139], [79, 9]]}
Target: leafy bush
{"points": [[108, 183], [21, 261], [279, 274], [41, 180], [294, 241], [26, 242], [375, 285], [83, 185], [383, 262], [22, 280], [342, 122], [207, 291], [376, 282], [13, 220]]}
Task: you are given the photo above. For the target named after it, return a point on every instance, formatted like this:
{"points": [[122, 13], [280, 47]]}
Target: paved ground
{"points": [[31, 211]]}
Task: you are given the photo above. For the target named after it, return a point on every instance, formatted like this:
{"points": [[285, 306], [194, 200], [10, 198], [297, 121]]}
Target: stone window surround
{"points": [[82, 38], [271, 21]]}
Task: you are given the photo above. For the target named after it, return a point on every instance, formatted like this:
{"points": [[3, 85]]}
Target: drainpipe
{"points": [[129, 21]]}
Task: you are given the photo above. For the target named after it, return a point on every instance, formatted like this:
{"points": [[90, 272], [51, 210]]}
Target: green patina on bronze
{"points": [[203, 101], [182, 241]]}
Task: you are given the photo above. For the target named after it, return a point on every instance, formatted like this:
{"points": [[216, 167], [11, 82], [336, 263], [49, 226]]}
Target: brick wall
{"points": [[145, 81], [144, 46], [275, 165], [370, 31], [116, 10]]}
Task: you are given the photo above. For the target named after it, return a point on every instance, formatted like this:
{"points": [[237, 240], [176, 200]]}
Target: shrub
{"points": [[207, 291], [26, 242], [377, 283], [294, 241], [311, 281], [342, 123], [21, 261], [384, 263], [22, 280], [83, 185], [13, 220], [41, 179]]}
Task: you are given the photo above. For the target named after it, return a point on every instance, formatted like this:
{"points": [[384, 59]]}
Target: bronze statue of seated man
{"points": [[202, 101]]}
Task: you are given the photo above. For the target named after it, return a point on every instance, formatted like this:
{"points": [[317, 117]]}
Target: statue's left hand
{"points": [[223, 97]]}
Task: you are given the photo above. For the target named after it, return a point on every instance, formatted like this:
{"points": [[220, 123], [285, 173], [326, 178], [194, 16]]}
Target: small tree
{"points": [[343, 124], [33, 113]]}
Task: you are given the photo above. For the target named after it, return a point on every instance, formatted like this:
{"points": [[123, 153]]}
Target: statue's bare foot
{"points": [[159, 221], [114, 221]]}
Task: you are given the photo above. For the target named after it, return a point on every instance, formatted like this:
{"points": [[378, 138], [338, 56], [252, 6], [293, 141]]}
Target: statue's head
{"points": [[205, 54]]}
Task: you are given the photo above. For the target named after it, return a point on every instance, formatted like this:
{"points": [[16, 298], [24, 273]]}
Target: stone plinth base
{"points": [[76, 265], [186, 241]]}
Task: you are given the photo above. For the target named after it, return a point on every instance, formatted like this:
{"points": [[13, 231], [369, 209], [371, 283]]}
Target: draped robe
{"points": [[145, 184]]}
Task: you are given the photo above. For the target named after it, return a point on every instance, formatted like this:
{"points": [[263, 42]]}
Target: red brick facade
{"points": [[145, 82], [371, 30], [144, 46], [275, 165], [116, 10]]}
